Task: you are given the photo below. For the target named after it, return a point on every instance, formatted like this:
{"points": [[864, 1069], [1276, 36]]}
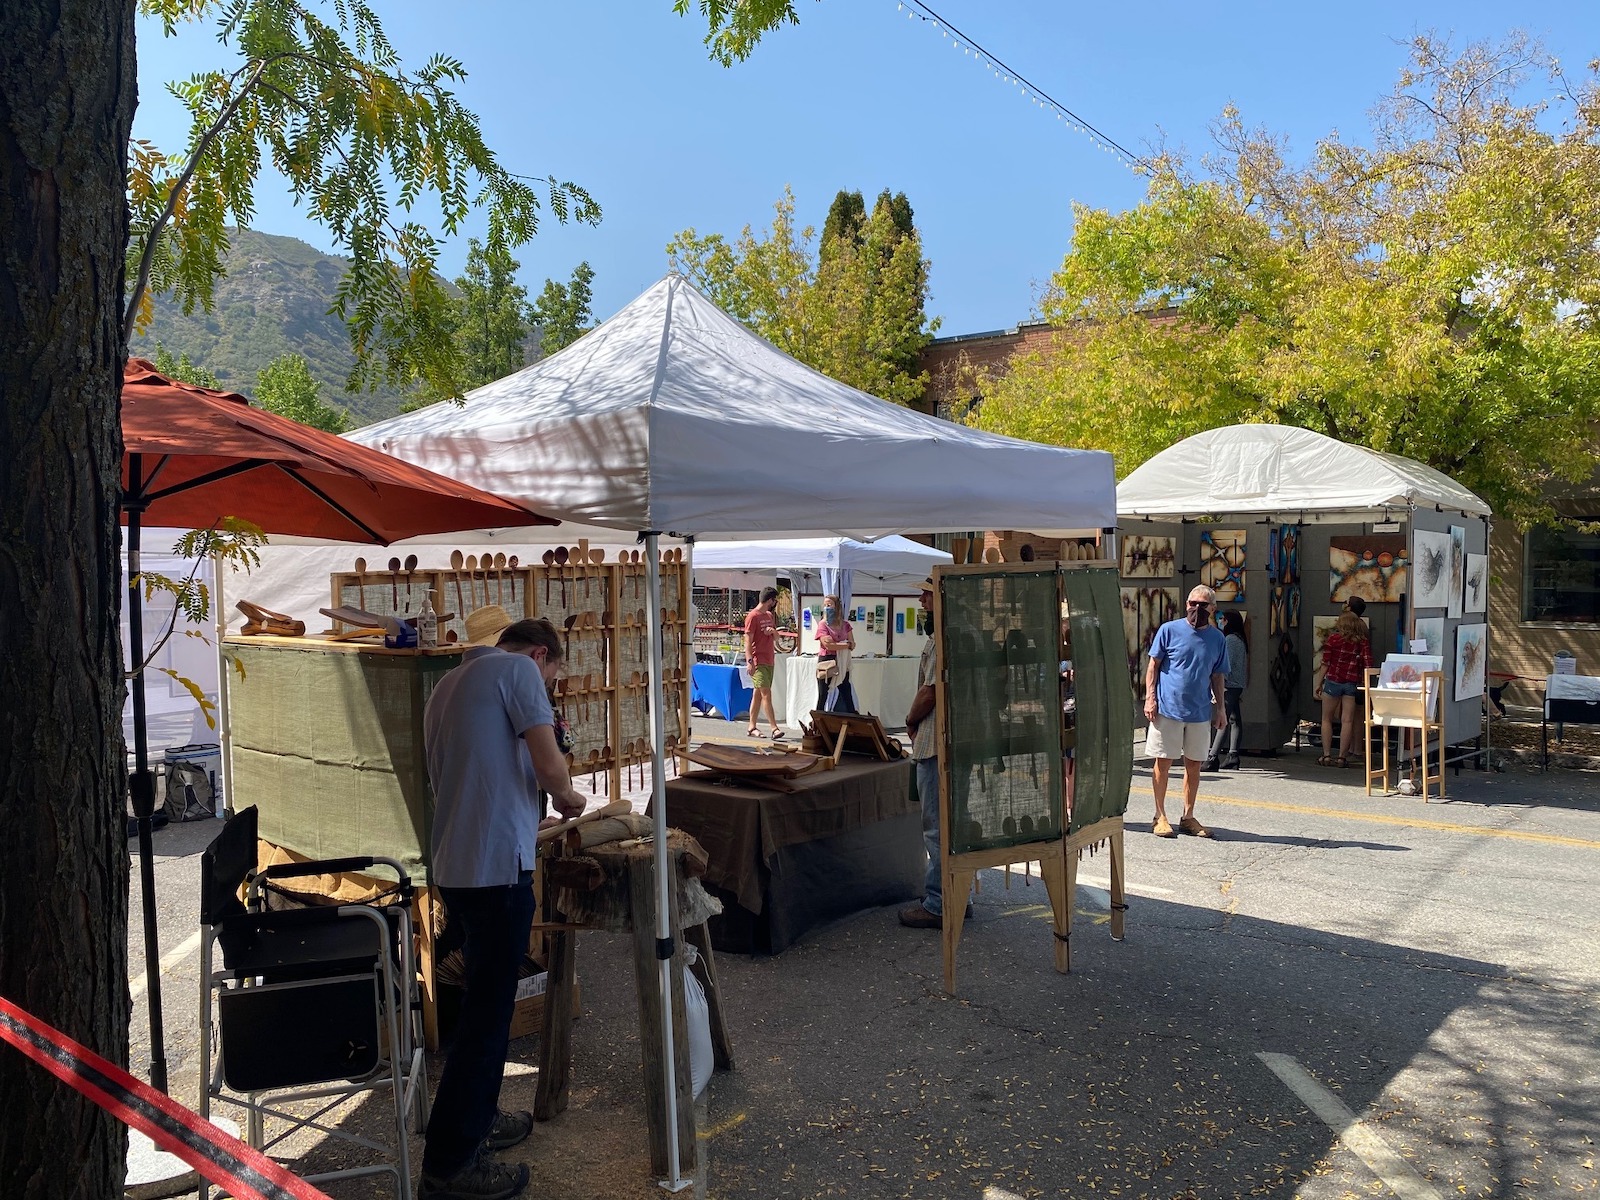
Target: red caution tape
{"points": [[224, 1160]]}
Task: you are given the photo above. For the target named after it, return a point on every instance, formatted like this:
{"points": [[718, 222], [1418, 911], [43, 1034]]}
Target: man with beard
{"points": [[1183, 701]]}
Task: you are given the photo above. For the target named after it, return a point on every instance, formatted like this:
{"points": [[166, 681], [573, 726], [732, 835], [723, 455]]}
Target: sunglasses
{"points": [[1199, 604]]}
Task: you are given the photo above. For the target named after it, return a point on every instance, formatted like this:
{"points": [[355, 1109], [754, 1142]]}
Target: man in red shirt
{"points": [[761, 653]]}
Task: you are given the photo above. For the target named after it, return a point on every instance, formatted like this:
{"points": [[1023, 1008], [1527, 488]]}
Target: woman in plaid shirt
{"points": [[1346, 656]]}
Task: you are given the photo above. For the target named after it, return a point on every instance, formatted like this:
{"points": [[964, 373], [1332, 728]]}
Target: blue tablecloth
{"points": [[712, 685]]}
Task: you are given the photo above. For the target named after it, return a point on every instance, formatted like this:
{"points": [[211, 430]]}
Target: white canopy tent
{"points": [[1254, 477], [1282, 469], [892, 566], [672, 417]]}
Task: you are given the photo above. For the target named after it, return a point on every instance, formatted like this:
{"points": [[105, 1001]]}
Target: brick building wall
{"points": [[1527, 648]]}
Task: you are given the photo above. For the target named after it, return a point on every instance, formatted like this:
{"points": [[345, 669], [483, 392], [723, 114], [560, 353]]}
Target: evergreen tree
{"points": [[846, 217]]}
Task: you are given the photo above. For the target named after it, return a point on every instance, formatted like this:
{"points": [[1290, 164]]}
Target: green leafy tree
{"points": [[562, 314], [853, 308], [68, 188], [361, 142], [182, 370], [287, 387], [1432, 293], [491, 322]]}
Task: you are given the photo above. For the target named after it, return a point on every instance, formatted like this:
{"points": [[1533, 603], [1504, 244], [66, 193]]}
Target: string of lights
{"points": [[916, 10]]}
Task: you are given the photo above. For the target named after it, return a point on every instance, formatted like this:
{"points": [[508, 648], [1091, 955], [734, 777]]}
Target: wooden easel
{"points": [[858, 733], [1404, 708]]}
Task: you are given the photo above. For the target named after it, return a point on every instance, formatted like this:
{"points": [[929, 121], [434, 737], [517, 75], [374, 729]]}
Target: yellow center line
{"points": [[1522, 835], [718, 1130]]}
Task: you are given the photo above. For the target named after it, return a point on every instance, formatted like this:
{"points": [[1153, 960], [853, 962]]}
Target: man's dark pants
{"points": [[496, 921]]}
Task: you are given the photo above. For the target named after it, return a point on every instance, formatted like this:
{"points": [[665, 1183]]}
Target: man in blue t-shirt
{"points": [[1183, 701]]}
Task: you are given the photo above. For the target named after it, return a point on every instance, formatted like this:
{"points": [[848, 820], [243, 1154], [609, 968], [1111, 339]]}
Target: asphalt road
{"points": [[1337, 996]]}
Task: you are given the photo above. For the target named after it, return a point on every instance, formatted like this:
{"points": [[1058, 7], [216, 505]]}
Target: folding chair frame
{"points": [[400, 1069]]}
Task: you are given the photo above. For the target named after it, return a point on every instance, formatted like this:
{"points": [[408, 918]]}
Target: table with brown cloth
{"points": [[785, 862]]}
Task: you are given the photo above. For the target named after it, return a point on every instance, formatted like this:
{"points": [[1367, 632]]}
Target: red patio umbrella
{"points": [[192, 455]]}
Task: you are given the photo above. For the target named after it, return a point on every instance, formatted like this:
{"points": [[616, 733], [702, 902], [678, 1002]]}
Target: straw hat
{"points": [[486, 624]]}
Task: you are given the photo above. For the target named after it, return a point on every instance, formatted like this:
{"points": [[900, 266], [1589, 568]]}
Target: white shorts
{"points": [[1168, 737]]}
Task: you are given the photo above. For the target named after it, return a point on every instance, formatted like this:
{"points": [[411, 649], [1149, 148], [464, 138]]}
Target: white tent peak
{"points": [[672, 416], [1283, 469]]}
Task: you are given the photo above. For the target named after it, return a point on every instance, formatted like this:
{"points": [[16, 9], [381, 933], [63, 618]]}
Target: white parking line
{"points": [[168, 960], [1359, 1137]]}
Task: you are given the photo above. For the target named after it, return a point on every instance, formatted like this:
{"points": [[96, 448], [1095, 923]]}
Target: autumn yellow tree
{"points": [[1430, 292]]}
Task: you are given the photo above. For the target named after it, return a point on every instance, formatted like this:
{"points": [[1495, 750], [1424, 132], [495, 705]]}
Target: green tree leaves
{"points": [[287, 387], [1432, 294], [852, 308], [361, 142], [562, 312], [491, 315]]}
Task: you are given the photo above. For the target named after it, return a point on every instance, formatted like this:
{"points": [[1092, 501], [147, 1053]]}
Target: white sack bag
{"points": [[697, 1014]]}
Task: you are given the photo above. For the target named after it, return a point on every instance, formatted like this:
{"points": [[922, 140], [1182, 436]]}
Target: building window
{"points": [[1561, 576]]}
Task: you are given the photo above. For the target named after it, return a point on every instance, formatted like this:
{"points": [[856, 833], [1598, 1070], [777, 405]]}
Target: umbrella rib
{"points": [[335, 505], [202, 480]]}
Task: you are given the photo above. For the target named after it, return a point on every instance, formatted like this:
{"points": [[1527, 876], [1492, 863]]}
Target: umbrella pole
{"points": [[664, 899], [144, 791], [224, 726]]}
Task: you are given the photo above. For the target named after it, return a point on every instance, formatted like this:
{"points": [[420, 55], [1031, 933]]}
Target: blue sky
{"points": [[621, 98]]}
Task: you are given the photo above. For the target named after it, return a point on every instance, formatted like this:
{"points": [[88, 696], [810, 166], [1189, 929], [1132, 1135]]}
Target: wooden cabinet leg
{"points": [[555, 1037]]}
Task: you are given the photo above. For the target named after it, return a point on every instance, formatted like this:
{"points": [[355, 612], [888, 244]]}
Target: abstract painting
{"points": [[1458, 569], [1147, 557], [1476, 596], [1284, 611], [1430, 569], [1222, 563], [1144, 610], [1371, 566], [1431, 631], [1283, 554], [1472, 660]]}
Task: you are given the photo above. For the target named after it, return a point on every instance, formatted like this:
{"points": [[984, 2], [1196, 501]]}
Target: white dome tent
{"points": [[1261, 478]]}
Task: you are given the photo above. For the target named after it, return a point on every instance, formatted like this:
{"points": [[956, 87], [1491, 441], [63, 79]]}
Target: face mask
{"points": [[831, 612], [1199, 617]]}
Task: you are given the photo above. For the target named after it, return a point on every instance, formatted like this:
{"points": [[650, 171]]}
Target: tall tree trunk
{"points": [[67, 95]]}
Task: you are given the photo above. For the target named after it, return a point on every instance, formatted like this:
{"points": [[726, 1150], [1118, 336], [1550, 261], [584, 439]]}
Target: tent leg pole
{"points": [[664, 898]]}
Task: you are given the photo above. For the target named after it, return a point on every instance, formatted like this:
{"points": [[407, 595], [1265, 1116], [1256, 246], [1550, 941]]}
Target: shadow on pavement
{"points": [[1135, 1076]]}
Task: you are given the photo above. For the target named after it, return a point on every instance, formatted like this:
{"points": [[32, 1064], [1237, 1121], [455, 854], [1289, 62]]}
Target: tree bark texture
{"points": [[67, 95]]}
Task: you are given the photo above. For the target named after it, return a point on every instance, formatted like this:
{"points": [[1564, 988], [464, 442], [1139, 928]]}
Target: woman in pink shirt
{"points": [[834, 634]]}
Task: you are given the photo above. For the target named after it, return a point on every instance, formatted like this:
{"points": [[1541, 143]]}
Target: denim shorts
{"points": [[1330, 688]]}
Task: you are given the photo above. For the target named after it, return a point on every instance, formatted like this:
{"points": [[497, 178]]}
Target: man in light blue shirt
{"points": [[1183, 701], [489, 735]]}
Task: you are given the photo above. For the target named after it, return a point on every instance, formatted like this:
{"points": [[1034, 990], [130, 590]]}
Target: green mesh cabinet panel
{"points": [[1104, 760], [1002, 707], [328, 746]]}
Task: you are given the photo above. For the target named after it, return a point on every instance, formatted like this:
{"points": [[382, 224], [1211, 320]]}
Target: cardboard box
{"points": [[527, 1016]]}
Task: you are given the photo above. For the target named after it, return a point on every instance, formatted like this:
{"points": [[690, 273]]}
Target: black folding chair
{"points": [[314, 1001]]}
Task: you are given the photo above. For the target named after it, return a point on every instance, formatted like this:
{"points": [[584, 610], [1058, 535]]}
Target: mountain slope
{"points": [[274, 300]]}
